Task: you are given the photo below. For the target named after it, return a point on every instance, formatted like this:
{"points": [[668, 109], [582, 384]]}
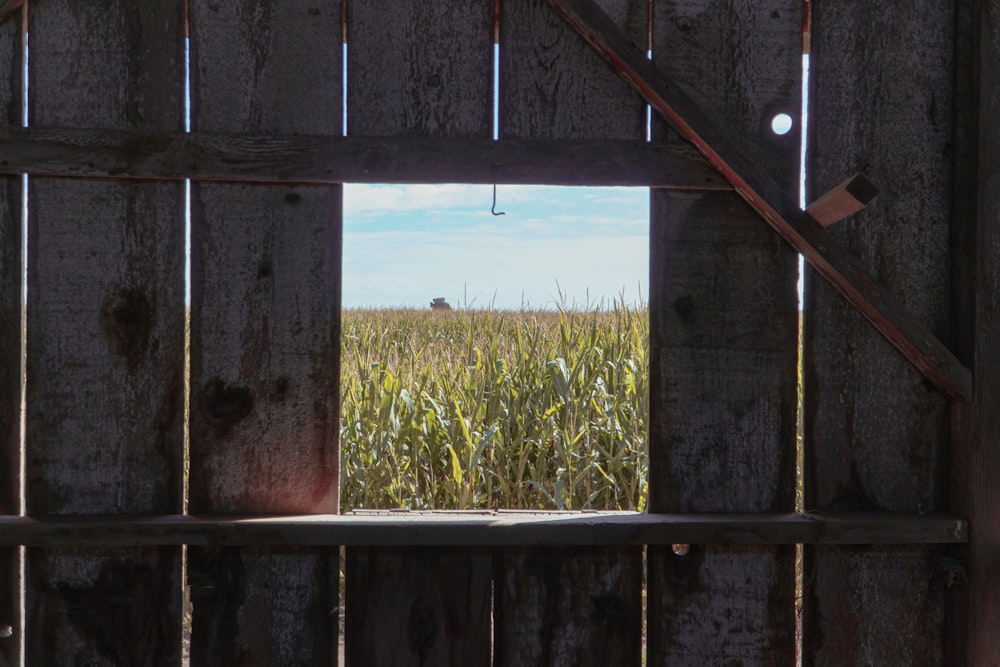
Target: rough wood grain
{"points": [[485, 529], [418, 606], [874, 429], [318, 159], [423, 69], [105, 339], [552, 608], [974, 608], [923, 349], [265, 307], [11, 63], [572, 607], [723, 333], [554, 85]]}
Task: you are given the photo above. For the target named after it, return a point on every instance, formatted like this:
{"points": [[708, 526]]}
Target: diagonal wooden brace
{"points": [[836, 265]]}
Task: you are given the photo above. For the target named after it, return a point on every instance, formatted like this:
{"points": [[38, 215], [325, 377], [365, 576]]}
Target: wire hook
{"points": [[493, 210]]}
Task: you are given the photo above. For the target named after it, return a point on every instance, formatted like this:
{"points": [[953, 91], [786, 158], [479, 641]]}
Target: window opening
{"points": [[525, 386]]}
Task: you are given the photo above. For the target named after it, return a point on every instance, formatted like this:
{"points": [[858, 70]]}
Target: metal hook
{"points": [[493, 210]]}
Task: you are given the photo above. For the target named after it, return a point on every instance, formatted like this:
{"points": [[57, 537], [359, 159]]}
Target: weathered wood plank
{"points": [[106, 339], [573, 606], [265, 306], [839, 267], [423, 68], [11, 66], [553, 86], [419, 68], [874, 430], [418, 606], [973, 613], [487, 529], [553, 607], [313, 159], [723, 334]]}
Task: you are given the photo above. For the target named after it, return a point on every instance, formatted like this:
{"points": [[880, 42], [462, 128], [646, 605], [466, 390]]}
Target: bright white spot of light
{"points": [[781, 124]]}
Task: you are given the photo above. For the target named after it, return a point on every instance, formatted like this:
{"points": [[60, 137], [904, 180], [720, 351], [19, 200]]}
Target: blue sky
{"points": [[406, 244]]}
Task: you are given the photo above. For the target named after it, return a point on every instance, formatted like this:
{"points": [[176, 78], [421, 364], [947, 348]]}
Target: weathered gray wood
{"points": [[265, 306], [973, 613], [10, 343], [105, 339], [233, 590], [552, 608], [723, 333], [418, 606], [840, 268], [474, 528], [881, 103], [311, 159], [419, 68], [568, 606], [423, 68], [553, 86]]}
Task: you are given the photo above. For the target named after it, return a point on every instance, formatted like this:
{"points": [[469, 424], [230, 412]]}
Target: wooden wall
{"points": [[908, 96]]}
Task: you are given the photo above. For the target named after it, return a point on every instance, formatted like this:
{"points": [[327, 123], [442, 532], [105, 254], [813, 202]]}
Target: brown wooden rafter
{"points": [[841, 269]]}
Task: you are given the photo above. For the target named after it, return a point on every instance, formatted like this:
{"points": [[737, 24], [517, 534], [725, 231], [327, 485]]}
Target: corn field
{"points": [[494, 409]]}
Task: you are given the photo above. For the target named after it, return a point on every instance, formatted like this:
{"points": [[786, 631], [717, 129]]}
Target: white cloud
{"points": [[590, 247]]}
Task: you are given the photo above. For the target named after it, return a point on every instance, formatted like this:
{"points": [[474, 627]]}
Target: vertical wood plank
{"points": [[553, 85], [419, 68], [11, 66], [265, 334], [422, 68], [106, 339], [568, 606], [880, 103], [559, 606], [973, 612], [418, 606], [723, 339]]}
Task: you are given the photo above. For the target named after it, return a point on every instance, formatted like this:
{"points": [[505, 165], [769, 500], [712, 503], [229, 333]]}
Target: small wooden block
{"points": [[846, 199]]}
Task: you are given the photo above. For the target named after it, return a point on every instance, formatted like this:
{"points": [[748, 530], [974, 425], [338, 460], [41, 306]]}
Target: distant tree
{"points": [[440, 304]]}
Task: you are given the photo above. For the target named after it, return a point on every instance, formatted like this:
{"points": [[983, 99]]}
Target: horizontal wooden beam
{"points": [[322, 159], [492, 528], [713, 140]]}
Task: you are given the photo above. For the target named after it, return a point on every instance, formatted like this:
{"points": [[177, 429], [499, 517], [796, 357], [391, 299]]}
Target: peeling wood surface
{"points": [[106, 324], [426, 69], [568, 606], [723, 338], [973, 614], [266, 158], [265, 305], [10, 342], [553, 608], [418, 606], [875, 430]]}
